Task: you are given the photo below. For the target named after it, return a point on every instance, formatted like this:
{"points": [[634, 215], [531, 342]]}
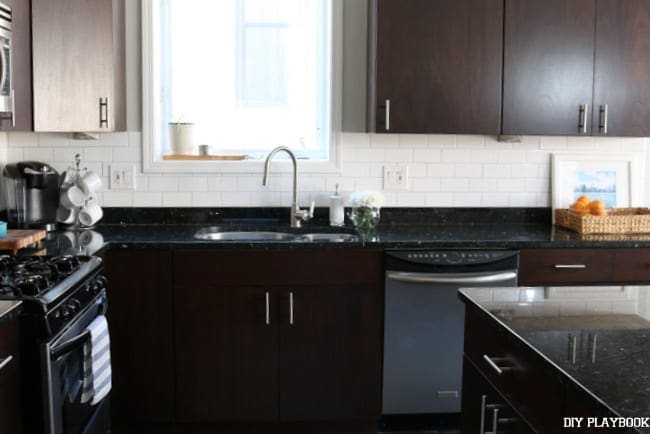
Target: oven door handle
{"points": [[69, 345], [447, 278]]}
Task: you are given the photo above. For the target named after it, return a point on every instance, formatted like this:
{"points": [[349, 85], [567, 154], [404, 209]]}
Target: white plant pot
{"points": [[181, 138]]}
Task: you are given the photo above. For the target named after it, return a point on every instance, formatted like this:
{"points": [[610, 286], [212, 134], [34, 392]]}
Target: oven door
{"points": [[65, 414]]}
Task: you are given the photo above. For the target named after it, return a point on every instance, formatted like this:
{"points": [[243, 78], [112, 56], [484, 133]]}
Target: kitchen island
{"points": [[583, 352]]}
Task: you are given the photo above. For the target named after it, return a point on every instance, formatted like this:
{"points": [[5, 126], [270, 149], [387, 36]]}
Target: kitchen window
{"points": [[249, 75]]}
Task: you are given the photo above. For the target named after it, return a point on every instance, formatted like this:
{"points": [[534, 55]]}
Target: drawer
{"points": [[278, 268], [560, 267], [530, 387], [632, 266]]}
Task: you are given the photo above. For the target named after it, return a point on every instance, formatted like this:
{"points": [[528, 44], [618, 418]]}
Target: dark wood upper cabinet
{"points": [[622, 73], [21, 67], [78, 65], [436, 66], [548, 66]]}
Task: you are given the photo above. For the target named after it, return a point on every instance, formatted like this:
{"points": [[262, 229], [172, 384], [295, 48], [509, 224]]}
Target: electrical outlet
{"points": [[396, 177], [122, 176]]}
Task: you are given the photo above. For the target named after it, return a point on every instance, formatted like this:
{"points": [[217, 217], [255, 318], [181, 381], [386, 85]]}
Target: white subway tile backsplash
{"points": [[444, 170], [99, 154], [147, 199], [193, 183], [163, 183], [456, 155], [177, 199]]}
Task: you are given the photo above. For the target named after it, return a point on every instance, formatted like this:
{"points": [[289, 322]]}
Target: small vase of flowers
{"points": [[366, 210]]}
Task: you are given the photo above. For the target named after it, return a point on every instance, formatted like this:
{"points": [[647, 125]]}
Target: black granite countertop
{"points": [[598, 338], [501, 228], [8, 309]]}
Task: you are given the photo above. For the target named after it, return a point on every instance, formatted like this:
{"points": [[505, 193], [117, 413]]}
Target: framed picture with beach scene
{"points": [[616, 178]]}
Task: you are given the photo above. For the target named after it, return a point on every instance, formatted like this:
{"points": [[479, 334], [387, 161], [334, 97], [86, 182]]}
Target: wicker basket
{"points": [[617, 221]]}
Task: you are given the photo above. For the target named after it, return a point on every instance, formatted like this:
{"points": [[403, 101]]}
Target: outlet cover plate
{"points": [[396, 177], [122, 176]]}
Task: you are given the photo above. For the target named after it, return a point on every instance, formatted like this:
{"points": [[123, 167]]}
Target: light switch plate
{"points": [[396, 177], [122, 176]]}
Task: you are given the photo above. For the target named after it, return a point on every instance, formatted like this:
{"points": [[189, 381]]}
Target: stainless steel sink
{"points": [[215, 234], [330, 238]]}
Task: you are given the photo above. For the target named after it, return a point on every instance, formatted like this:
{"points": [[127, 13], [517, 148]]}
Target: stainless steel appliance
{"points": [[7, 99], [31, 194], [424, 327], [61, 297]]}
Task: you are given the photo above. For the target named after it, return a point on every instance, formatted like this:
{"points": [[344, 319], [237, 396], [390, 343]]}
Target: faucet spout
{"points": [[297, 215]]}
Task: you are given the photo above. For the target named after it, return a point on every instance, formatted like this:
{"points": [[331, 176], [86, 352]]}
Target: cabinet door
{"points": [[21, 69], [438, 63], [330, 353], [548, 66], [10, 397], [73, 64], [623, 68], [226, 354], [484, 409], [140, 320]]}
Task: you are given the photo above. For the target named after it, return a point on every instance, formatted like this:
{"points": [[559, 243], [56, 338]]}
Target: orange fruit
{"points": [[580, 208], [584, 200], [597, 207]]}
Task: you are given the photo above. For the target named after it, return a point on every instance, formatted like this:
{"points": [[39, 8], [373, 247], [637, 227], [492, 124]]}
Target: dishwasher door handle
{"points": [[465, 278]]}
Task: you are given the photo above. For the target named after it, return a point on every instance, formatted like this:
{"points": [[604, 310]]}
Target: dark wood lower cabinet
{"points": [[140, 321], [202, 344], [226, 354], [330, 353], [10, 393]]}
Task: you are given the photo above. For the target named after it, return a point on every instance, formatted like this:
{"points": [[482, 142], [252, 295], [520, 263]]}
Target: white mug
{"points": [[91, 241], [90, 214], [72, 197], [66, 215], [90, 183]]}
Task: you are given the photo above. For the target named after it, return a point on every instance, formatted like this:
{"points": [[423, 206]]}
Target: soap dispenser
{"points": [[337, 210]]}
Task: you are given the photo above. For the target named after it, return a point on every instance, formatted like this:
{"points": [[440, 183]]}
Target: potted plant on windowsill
{"points": [[181, 137]]}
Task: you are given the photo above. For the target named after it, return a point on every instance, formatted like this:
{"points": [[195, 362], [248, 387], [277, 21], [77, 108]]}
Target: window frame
{"points": [[152, 107]]}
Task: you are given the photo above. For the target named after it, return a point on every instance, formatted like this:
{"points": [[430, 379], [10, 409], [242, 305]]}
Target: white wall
{"points": [[444, 170]]}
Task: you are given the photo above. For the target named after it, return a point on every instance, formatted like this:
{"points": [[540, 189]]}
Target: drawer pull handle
{"points": [[492, 361], [483, 402], [5, 362], [267, 309], [570, 266]]}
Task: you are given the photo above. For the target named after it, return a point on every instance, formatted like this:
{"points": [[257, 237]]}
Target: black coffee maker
{"points": [[31, 194]]}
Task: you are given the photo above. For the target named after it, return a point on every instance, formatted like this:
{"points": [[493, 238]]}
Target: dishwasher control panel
{"points": [[453, 257]]}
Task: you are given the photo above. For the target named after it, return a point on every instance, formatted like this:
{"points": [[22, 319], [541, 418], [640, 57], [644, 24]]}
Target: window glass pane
{"points": [[250, 74]]}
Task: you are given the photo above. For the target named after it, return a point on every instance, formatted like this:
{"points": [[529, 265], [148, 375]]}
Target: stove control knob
{"points": [[65, 312], [453, 258], [73, 305]]}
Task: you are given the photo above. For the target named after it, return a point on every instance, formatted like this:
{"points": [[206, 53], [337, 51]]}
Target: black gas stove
{"points": [[52, 288], [61, 297]]}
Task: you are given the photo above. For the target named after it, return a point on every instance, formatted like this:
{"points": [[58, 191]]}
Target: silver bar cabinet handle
{"points": [[584, 120], [495, 421], [570, 266], [387, 115], [604, 118], [491, 362], [13, 108], [268, 308], [5, 362], [291, 308], [483, 402]]}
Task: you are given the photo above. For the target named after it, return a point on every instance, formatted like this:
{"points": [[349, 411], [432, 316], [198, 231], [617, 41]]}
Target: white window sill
{"points": [[240, 167]]}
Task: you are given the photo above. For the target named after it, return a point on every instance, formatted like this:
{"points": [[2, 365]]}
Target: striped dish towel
{"points": [[97, 363]]}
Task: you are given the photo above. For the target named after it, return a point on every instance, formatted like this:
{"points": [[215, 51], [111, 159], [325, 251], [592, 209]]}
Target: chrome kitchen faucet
{"points": [[297, 215]]}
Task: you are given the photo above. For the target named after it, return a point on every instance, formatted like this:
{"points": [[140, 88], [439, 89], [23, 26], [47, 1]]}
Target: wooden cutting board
{"points": [[17, 239]]}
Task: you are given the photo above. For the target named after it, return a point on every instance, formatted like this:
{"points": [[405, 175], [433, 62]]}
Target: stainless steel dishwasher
{"points": [[424, 328]]}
